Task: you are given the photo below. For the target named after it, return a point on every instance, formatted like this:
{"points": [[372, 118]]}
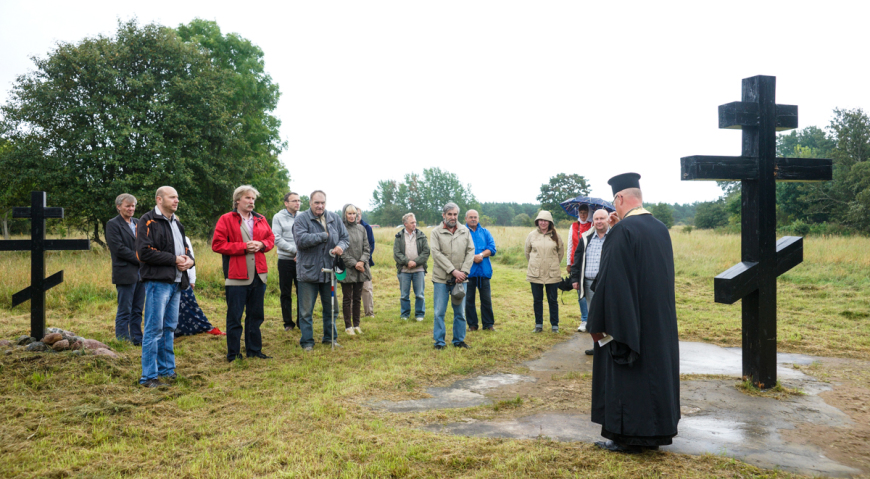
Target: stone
{"points": [[76, 345], [105, 353], [61, 345], [94, 344], [52, 338], [24, 340], [5, 343], [36, 346]]}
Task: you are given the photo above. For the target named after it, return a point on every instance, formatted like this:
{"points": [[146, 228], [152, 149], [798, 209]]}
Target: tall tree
{"points": [[424, 196], [560, 188], [130, 113]]}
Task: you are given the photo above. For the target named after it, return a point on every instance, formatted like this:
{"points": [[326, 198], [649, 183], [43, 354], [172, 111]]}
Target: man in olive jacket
{"points": [[453, 251], [411, 252]]}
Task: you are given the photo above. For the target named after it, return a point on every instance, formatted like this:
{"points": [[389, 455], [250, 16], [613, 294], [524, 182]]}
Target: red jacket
{"points": [[228, 241]]}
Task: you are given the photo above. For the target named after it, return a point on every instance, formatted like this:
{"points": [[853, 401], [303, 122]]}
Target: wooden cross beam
{"points": [[763, 258], [38, 245]]}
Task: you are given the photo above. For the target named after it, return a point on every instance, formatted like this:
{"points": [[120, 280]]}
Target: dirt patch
{"points": [[851, 394]]}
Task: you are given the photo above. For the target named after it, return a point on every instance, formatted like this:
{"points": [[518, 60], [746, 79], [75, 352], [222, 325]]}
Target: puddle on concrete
{"points": [[717, 418], [461, 394]]}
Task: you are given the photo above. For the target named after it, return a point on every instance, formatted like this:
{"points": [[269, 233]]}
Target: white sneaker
{"points": [[419, 318], [358, 331], [582, 327], [404, 318], [350, 332]]}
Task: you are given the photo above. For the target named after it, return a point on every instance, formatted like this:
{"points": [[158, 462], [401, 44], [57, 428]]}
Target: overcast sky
{"points": [[505, 94]]}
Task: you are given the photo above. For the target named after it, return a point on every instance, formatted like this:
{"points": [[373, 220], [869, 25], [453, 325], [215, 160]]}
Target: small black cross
{"points": [[763, 258], [38, 245]]}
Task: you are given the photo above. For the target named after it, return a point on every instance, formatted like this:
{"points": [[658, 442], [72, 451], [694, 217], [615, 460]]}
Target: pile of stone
{"points": [[58, 340]]}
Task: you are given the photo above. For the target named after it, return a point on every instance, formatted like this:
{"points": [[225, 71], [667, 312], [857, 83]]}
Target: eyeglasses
{"points": [[615, 197]]}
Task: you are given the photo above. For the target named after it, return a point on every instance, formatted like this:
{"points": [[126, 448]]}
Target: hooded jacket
{"points": [[282, 227], [544, 253], [357, 250]]}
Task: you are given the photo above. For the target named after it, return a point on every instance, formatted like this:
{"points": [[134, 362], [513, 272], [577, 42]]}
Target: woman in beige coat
{"points": [[356, 262], [544, 252]]}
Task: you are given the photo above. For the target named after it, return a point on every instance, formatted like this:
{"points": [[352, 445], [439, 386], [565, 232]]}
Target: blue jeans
{"points": [[128, 319], [307, 298], [482, 285], [161, 318], [584, 309], [441, 293], [418, 280]]}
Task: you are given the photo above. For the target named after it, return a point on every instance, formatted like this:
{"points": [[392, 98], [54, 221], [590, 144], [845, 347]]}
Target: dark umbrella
{"points": [[571, 206]]}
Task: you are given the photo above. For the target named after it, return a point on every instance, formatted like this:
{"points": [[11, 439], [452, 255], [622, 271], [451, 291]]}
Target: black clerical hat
{"points": [[623, 181]]}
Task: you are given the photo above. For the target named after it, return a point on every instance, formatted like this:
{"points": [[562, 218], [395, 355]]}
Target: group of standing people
{"points": [[621, 265]]}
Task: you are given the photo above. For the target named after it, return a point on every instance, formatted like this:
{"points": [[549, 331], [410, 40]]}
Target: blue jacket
{"points": [[482, 241], [371, 236]]}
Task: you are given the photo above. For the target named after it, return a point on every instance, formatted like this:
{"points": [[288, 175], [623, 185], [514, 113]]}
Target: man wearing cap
{"points": [[320, 236], [636, 375], [452, 250]]}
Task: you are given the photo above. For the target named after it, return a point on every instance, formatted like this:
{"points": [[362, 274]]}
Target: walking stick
{"points": [[334, 303]]}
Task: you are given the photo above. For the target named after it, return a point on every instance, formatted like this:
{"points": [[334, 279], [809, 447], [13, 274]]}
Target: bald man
{"points": [[481, 273], [163, 263]]}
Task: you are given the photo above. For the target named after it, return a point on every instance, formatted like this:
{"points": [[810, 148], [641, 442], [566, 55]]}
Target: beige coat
{"points": [[544, 256], [450, 251]]}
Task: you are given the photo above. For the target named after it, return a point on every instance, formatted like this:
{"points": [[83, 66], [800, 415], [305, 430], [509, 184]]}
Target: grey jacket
{"points": [[122, 246], [357, 250], [313, 245], [282, 226], [450, 251]]}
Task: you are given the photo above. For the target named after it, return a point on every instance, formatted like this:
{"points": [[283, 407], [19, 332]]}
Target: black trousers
{"points": [[248, 300], [286, 278], [480, 284], [351, 297], [552, 300]]}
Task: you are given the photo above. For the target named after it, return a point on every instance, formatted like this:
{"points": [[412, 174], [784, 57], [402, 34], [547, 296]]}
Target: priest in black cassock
{"points": [[636, 375]]}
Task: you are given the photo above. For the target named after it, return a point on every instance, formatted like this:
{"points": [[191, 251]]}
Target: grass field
{"points": [[306, 416]]}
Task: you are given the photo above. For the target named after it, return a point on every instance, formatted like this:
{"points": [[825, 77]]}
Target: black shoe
{"points": [[538, 329], [289, 327], [233, 358], [171, 377], [472, 328], [614, 446], [461, 344], [138, 345], [491, 328], [152, 383], [259, 354], [439, 346], [590, 352]]}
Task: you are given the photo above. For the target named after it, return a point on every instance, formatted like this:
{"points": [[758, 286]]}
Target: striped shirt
{"points": [[593, 254]]}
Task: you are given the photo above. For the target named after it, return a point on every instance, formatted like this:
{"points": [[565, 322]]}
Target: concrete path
{"points": [[717, 418]]}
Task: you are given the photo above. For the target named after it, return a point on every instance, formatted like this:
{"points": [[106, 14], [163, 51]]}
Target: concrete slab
{"points": [[717, 418]]}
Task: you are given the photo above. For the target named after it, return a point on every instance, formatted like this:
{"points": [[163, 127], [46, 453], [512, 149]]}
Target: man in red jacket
{"points": [[243, 237]]}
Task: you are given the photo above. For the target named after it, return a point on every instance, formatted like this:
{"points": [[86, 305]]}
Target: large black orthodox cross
{"points": [[38, 245], [763, 258]]}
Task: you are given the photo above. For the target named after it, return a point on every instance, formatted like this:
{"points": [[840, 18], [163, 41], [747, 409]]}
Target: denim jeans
{"points": [[418, 280], [161, 318], [248, 300], [584, 308], [128, 319], [588, 296], [286, 278], [307, 299], [552, 300], [441, 293], [481, 284]]}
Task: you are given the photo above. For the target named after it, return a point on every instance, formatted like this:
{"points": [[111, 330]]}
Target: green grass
{"points": [[301, 415]]}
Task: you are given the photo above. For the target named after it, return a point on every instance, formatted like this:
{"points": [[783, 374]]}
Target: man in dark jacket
{"points": [[320, 236], [163, 263], [121, 238], [368, 292], [411, 252]]}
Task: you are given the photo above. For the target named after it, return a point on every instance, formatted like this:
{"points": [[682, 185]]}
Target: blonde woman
{"points": [[356, 262], [544, 252]]}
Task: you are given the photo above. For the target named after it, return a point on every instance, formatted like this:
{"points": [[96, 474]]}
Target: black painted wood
{"points": [[38, 245], [763, 258]]}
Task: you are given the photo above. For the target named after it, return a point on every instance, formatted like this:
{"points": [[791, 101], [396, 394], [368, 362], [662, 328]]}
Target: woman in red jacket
{"points": [[243, 237]]}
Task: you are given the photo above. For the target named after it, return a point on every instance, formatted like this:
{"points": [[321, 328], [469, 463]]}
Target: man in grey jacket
{"points": [[121, 238], [320, 235], [452, 249], [282, 226]]}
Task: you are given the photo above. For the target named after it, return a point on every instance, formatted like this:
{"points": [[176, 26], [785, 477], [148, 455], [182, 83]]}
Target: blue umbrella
{"points": [[571, 206]]}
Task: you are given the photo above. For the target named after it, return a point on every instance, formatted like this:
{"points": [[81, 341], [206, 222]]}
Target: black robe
{"points": [[636, 377]]}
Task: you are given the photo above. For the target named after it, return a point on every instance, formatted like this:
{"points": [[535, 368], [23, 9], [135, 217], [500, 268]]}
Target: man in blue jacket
{"points": [[481, 272]]}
